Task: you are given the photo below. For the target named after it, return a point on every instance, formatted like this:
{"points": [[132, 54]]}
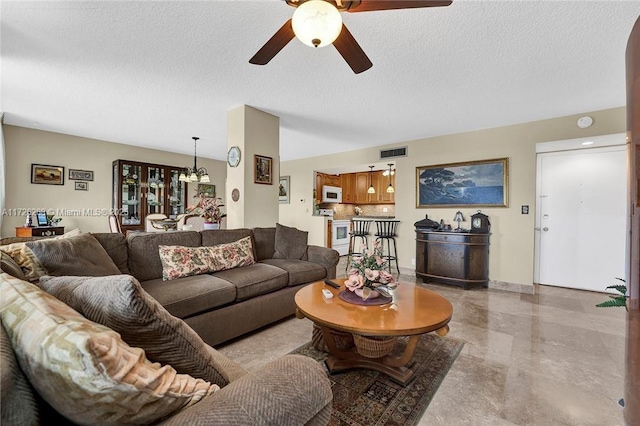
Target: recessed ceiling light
{"points": [[587, 143]]}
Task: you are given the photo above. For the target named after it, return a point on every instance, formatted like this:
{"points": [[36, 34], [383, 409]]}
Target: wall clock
{"points": [[233, 156]]}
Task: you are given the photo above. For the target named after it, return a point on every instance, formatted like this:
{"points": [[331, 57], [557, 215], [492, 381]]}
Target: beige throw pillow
{"points": [[181, 261], [25, 258], [84, 370]]}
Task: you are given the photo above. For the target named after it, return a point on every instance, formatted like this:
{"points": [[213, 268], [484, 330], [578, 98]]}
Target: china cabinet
{"points": [[140, 189]]}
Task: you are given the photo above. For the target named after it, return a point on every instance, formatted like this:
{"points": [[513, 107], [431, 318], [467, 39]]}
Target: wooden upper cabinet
{"points": [[355, 185], [362, 184], [348, 183], [385, 197], [325, 179]]}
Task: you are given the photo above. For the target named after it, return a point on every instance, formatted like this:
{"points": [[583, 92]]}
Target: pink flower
{"points": [[379, 261], [354, 281], [371, 275], [386, 278]]}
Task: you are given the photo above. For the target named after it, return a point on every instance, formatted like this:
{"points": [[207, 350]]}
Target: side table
{"points": [[39, 231]]}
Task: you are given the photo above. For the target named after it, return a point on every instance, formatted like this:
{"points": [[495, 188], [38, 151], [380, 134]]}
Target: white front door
{"points": [[581, 217]]}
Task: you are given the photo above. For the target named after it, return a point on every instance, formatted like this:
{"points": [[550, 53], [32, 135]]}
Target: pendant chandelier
{"points": [[371, 189], [194, 174], [390, 173]]}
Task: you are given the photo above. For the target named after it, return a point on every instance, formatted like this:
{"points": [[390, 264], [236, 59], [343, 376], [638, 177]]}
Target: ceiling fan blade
{"points": [[275, 44], [373, 5], [351, 51]]}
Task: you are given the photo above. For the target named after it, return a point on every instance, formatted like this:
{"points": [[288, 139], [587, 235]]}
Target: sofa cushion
{"points": [[144, 258], [25, 258], [180, 261], [84, 370], [189, 296], [8, 265], [17, 401], [290, 243], [120, 303], [254, 280], [79, 255], [115, 244], [300, 271], [265, 242]]}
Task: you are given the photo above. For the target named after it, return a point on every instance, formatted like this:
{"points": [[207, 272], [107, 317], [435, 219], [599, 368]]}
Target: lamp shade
{"points": [[458, 217], [316, 23]]}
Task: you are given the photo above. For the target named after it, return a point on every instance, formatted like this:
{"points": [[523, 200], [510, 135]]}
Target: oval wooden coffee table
{"points": [[412, 312]]}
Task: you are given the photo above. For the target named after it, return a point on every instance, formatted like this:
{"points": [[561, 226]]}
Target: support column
{"points": [[632, 358], [255, 132]]}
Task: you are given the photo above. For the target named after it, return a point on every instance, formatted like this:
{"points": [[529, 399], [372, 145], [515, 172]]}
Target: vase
{"points": [[374, 294], [210, 225]]}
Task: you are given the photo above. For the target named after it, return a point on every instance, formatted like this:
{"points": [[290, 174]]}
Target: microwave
{"points": [[331, 194]]}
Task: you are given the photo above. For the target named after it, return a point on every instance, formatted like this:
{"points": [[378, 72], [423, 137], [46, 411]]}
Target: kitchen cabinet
{"points": [[362, 184], [456, 258], [348, 183], [141, 188], [381, 183], [325, 179]]}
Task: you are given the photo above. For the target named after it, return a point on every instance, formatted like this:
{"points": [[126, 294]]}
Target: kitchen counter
{"points": [[374, 218]]}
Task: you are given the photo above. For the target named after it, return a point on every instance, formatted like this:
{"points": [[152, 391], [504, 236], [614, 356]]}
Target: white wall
{"points": [[26, 146], [512, 234]]}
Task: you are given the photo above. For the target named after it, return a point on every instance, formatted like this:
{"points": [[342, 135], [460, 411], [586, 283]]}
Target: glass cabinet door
{"points": [[177, 194], [156, 190], [131, 191]]}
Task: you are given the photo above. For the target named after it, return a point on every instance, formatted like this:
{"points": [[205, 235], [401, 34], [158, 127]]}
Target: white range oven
{"points": [[340, 236]]}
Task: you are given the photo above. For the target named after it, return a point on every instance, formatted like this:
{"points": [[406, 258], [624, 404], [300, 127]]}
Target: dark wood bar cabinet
{"points": [[457, 258]]}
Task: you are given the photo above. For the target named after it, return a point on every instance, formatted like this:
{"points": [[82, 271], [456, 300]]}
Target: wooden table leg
{"points": [[394, 367]]}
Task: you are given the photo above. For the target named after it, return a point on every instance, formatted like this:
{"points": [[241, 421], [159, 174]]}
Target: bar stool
{"points": [[359, 232], [387, 232]]}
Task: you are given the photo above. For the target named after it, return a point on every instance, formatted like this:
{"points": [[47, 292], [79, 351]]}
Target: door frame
{"points": [[611, 140]]}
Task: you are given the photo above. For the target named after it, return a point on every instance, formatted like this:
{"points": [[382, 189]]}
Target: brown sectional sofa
{"points": [[226, 304], [218, 307]]}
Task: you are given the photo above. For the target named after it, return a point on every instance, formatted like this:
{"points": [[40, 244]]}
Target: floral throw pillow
{"points": [[181, 261]]}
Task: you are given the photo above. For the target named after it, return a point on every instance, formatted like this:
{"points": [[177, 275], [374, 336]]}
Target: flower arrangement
{"points": [[368, 274], [207, 207]]}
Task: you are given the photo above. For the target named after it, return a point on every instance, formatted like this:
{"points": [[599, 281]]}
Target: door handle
{"points": [[545, 229]]}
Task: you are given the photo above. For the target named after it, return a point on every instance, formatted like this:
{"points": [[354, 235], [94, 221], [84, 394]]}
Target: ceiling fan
{"points": [[318, 23]]}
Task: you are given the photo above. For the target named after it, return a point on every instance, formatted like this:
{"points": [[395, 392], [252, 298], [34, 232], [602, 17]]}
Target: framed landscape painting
{"points": [[48, 175], [469, 184]]}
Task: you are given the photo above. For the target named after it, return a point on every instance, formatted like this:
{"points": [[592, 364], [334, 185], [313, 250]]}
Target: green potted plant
{"points": [[617, 300]]}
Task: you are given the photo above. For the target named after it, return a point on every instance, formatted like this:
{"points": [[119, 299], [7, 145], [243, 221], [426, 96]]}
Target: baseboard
{"points": [[498, 285]]}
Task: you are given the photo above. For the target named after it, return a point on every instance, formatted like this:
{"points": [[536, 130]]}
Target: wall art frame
{"points": [[482, 183], [82, 186], [75, 174], [47, 175], [207, 190], [284, 190], [263, 169]]}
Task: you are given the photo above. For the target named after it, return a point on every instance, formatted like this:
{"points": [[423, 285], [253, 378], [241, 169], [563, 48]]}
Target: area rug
{"points": [[367, 398]]}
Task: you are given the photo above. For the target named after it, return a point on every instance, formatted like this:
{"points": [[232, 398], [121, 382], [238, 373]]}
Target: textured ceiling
{"points": [[154, 74]]}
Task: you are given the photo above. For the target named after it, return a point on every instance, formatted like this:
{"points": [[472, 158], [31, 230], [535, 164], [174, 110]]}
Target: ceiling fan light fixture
{"points": [[316, 23]]}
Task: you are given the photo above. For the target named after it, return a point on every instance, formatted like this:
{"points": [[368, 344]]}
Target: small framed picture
{"points": [[82, 186], [263, 169], [80, 174], [207, 190], [41, 219], [283, 190], [47, 175]]}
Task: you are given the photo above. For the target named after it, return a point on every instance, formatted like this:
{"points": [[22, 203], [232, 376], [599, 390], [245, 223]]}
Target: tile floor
{"points": [[551, 358]]}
